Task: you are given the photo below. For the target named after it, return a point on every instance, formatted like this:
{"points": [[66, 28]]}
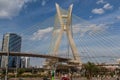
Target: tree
{"points": [[90, 70], [20, 71]]}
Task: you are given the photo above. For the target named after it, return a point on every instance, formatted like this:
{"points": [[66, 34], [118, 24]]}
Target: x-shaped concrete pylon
{"points": [[65, 26]]}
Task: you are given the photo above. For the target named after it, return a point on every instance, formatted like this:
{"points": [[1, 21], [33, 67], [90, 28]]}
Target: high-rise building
{"points": [[25, 62], [11, 43]]}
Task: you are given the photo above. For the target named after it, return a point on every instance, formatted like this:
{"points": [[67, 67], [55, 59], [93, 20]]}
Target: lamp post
{"points": [[7, 59], [16, 67]]}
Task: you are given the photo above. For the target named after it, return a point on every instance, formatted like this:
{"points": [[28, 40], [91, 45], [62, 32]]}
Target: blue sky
{"points": [[33, 20]]}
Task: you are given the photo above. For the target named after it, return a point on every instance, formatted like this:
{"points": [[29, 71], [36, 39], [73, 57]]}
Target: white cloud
{"points": [[118, 17], [98, 11], [89, 29], [107, 6], [77, 28], [43, 2], [90, 16], [100, 2], [41, 33], [10, 8]]}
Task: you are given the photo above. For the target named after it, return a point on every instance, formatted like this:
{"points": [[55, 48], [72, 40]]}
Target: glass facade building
{"points": [[11, 43]]}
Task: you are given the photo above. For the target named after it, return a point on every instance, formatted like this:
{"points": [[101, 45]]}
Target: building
{"points": [[25, 62], [11, 43], [118, 61]]}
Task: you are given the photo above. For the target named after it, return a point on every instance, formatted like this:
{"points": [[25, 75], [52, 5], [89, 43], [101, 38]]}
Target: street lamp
{"points": [[6, 74], [16, 67]]}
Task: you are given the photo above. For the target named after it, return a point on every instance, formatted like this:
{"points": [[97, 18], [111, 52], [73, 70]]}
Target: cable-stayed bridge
{"points": [[84, 41]]}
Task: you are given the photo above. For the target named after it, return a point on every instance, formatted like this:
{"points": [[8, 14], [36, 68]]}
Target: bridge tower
{"points": [[65, 23]]}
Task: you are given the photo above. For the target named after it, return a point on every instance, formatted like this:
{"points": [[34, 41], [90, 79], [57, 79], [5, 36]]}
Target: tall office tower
{"points": [[11, 43], [25, 62]]}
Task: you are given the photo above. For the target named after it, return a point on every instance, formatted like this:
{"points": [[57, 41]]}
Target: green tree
{"points": [[90, 70], [20, 71]]}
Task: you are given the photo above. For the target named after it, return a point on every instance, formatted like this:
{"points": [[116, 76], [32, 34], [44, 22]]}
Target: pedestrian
{"points": [[65, 77]]}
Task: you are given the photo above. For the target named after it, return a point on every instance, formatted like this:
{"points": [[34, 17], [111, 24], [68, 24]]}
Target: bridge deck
{"points": [[32, 55]]}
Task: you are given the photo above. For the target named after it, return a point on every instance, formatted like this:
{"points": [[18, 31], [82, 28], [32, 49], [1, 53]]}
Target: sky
{"points": [[96, 24]]}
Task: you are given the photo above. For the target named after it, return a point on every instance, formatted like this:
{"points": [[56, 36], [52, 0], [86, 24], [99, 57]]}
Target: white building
{"points": [[118, 60], [25, 62]]}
